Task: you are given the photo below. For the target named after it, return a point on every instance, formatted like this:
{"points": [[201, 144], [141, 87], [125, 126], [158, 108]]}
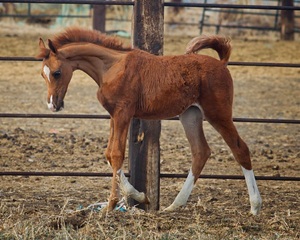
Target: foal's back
{"points": [[168, 85]]}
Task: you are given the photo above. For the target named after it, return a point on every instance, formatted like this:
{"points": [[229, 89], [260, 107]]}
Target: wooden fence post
{"points": [[144, 150], [287, 21], [99, 17]]}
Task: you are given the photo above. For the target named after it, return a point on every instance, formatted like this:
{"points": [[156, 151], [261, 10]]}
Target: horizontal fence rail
{"points": [[94, 116], [93, 2], [265, 64], [162, 175], [250, 64], [166, 4], [296, 30], [234, 6]]}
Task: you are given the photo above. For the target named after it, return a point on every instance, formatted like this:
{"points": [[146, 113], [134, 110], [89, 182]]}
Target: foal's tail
{"points": [[220, 44]]}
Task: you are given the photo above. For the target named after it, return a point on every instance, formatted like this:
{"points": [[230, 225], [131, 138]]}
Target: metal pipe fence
{"points": [[237, 10], [250, 64], [94, 116], [162, 175], [87, 116], [205, 6], [166, 4]]}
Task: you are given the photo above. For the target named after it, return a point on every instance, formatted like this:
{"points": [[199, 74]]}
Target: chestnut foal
{"points": [[134, 83]]}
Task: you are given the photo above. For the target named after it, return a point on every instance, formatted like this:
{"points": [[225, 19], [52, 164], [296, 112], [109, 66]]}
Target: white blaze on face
{"points": [[50, 104], [46, 70]]}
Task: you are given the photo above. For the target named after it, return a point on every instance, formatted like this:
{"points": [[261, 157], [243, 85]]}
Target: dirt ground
{"points": [[43, 207]]}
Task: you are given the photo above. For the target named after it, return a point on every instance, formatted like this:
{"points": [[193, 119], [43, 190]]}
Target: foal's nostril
{"points": [[60, 106]]}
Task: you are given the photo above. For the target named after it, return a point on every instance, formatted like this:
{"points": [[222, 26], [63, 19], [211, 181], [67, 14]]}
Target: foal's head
{"points": [[57, 69], [57, 73]]}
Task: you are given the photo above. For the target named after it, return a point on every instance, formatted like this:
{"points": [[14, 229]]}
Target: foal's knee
{"points": [[108, 155], [116, 160]]}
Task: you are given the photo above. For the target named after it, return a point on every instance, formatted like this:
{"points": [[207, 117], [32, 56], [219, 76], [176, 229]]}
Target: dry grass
{"points": [[193, 222]]}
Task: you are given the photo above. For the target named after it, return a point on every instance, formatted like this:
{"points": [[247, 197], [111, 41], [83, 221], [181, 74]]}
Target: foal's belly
{"points": [[163, 110], [167, 99]]}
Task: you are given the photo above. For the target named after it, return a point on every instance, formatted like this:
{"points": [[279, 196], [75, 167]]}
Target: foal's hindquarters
{"points": [[217, 110], [192, 123]]}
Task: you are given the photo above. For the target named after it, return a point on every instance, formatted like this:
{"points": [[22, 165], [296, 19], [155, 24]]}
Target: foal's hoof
{"points": [[171, 208], [255, 208], [255, 203], [111, 206]]}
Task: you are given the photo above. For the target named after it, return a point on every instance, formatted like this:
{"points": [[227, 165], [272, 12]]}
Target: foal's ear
{"points": [[42, 44], [44, 52], [51, 46]]}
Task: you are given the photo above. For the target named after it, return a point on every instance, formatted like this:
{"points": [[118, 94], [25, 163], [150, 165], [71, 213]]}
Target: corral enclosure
{"points": [[187, 20], [43, 207]]}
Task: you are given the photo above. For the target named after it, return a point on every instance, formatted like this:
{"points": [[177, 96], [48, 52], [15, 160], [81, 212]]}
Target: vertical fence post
{"points": [[287, 21], [99, 17], [144, 150]]}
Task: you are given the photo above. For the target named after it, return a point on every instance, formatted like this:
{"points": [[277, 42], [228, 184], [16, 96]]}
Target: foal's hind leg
{"points": [[224, 125], [191, 120]]}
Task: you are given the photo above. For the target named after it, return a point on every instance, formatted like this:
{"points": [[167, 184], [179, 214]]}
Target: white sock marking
{"points": [[254, 195], [184, 193], [129, 190], [47, 72]]}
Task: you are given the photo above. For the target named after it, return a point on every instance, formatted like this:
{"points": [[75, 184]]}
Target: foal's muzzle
{"points": [[55, 106]]}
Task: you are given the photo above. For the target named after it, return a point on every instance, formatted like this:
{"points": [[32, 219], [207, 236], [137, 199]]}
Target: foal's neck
{"points": [[92, 59]]}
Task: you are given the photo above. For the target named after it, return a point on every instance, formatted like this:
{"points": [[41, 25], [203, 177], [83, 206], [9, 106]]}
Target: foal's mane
{"points": [[76, 35]]}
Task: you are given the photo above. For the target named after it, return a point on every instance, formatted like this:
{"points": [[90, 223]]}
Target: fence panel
{"points": [[162, 175]]}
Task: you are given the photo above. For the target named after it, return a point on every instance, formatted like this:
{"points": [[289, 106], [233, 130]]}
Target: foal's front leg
{"points": [[115, 155], [109, 144]]}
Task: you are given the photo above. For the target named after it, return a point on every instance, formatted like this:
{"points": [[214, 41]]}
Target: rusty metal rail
{"points": [[162, 175], [102, 116], [249, 64], [166, 4]]}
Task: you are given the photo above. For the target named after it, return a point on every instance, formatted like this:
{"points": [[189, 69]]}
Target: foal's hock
{"points": [[134, 83]]}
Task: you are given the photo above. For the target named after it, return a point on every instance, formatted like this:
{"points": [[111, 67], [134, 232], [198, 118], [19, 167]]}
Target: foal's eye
{"points": [[56, 74]]}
